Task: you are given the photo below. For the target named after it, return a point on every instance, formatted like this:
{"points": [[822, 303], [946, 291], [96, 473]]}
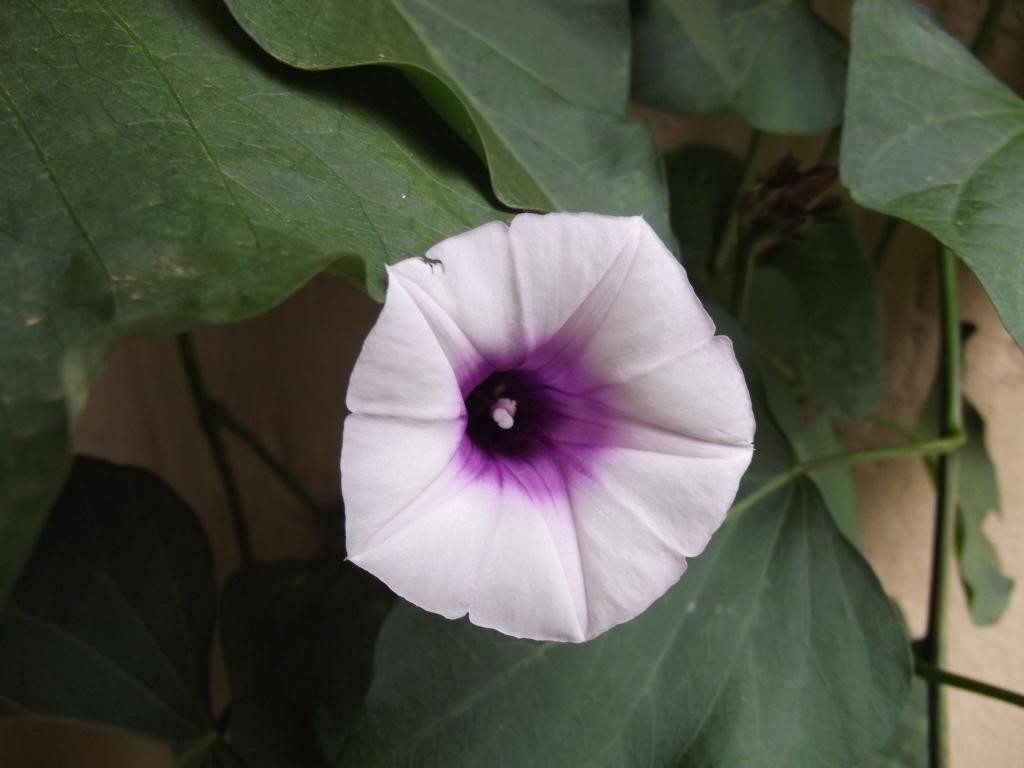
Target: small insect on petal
{"points": [[543, 431]]}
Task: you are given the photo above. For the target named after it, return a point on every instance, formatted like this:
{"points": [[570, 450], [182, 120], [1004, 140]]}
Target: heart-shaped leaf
{"points": [[932, 137], [298, 640], [539, 88], [112, 620], [160, 170], [736, 665]]}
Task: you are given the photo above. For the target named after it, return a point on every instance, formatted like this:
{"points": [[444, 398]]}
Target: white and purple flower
{"points": [[544, 427]]}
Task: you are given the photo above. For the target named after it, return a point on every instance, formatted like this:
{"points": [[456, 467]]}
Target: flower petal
{"points": [[474, 286], [699, 395], [560, 260], [512, 288], [472, 545], [639, 516], [386, 466], [655, 317], [402, 370], [433, 559], [531, 582]]}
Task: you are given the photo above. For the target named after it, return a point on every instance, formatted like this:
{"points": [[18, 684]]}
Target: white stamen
{"points": [[503, 412]]}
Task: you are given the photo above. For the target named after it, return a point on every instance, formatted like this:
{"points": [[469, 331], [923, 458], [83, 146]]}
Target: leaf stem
{"points": [[933, 674], [743, 279], [987, 29], [727, 235], [207, 412], [948, 481], [932, 447]]}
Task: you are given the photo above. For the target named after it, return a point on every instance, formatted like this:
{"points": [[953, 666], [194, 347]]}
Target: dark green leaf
{"points": [[158, 170], [112, 620], [815, 313], [988, 590], [298, 639], [538, 87], [702, 183], [210, 753], [775, 64], [932, 137], [817, 439], [907, 746], [738, 665]]}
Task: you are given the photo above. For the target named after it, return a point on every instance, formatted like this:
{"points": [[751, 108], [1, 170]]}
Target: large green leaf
{"points": [[775, 64], [112, 620], [932, 137], [777, 648], [298, 640], [907, 746], [815, 312], [988, 590], [538, 87], [157, 169]]}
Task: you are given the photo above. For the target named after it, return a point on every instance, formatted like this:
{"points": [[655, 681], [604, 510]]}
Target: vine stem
{"points": [[910, 449], [209, 422], [726, 238], [987, 29], [884, 240], [940, 676], [948, 486], [253, 443]]}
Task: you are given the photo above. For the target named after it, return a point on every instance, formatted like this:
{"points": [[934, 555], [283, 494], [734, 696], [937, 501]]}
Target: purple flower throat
{"points": [[537, 425], [511, 413]]}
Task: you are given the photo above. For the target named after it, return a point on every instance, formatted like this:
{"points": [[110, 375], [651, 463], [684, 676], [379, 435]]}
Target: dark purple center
{"points": [[535, 418], [561, 420]]}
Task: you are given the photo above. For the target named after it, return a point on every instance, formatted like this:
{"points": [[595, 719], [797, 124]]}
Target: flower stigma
{"points": [[511, 414], [503, 412]]}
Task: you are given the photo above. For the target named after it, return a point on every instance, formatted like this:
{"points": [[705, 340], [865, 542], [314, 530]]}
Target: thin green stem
{"points": [[914, 448], [941, 677], [987, 29], [947, 483], [254, 444], [770, 486], [208, 421], [726, 237], [743, 279]]}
